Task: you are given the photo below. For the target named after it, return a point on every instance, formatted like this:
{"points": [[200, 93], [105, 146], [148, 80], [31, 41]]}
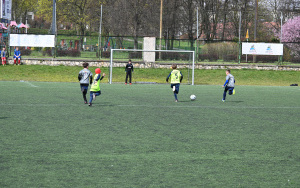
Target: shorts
{"points": [[17, 57], [176, 87]]}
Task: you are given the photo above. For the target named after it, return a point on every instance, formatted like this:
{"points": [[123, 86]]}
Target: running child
{"points": [[4, 55], [85, 78], [95, 87], [176, 78], [228, 85], [17, 56]]}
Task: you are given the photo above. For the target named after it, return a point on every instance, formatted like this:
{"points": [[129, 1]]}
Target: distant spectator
{"points": [[4, 55], [17, 56], [128, 70]]}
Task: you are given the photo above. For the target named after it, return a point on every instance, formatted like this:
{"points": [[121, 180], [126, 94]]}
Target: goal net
{"points": [[148, 59]]}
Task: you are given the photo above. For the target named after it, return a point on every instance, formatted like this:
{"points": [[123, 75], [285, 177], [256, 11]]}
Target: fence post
{"points": [[240, 24], [280, 59], [197, 54], [240, 52]]}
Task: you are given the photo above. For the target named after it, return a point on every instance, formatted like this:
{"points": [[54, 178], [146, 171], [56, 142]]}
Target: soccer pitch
{"points": [[137, 136]]}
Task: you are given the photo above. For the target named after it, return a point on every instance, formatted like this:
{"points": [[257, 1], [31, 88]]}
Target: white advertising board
{"points": [[262, 48], [32, 40], [6, 9]]}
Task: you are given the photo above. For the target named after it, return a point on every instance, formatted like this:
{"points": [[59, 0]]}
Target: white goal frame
{"points": [[134, 50]]}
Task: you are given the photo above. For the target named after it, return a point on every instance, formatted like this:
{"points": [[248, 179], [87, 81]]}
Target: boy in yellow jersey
{"points": [[176, 78], [95, 87]]}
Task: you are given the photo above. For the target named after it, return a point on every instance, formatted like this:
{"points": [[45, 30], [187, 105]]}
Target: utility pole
{"points": [[26, 23], [53, 32], [197, 35], [281, 18], [255, 27], [240, 24], [160, 30], [100, 33]]}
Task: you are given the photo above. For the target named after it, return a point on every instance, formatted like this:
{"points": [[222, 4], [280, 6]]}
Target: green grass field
{"points": [[137, 136]]}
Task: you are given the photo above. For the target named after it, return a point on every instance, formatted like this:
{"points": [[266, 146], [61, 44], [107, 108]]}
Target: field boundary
{"points": [[155, 106], [141, 64]]}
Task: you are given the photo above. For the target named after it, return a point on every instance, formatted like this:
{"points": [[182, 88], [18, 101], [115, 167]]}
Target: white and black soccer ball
{"points": [[193, 97]]}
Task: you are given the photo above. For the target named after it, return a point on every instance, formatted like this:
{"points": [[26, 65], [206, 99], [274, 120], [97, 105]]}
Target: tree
{"points": [[132, 17], [76, 12], [171, 21], [291, 35], [21, 7]]}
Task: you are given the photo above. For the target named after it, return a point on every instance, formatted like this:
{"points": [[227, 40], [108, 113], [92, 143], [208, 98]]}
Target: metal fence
{"points": [[214, 51]]}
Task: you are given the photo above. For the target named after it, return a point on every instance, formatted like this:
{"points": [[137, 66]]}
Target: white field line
{"points": [[160, 106], [26, 82]]}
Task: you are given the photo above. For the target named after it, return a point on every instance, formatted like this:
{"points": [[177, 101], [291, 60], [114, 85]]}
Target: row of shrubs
{"points": [[164, 55], [59, 53], [207, 57], [59, 32], [233, 57], [172, 56], [63, 53]]}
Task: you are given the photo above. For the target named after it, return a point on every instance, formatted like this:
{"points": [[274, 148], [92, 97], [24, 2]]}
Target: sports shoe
{"points": [[125, 83], [94, 96], [223, 100], [174, 88], [130, 84], [90, 104], [233, 92], [176, 100], [85, 102]]}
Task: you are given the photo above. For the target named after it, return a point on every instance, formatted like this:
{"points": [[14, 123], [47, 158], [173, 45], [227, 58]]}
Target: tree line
{"points": [[218, 19]]}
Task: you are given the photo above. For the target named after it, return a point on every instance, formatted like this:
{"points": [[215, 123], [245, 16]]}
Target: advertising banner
{"points": [[262, 48], [32, 40], [6, 9]]}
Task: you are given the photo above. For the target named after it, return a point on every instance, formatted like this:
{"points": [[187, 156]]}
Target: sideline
{"points": [[26, 82], [160, 106]]}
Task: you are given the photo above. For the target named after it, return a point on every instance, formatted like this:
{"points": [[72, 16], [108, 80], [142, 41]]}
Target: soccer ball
{"points": [[193, 97]]}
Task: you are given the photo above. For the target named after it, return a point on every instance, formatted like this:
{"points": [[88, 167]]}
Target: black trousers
{"points": [[84, 89], [229, 89], [128, 73]]}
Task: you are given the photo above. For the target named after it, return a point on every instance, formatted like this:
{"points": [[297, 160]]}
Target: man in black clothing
{"points": [[128, 70]]}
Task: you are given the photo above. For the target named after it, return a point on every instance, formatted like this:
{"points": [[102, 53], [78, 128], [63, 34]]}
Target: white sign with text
{"points": [[262, 48], [32, 40]]}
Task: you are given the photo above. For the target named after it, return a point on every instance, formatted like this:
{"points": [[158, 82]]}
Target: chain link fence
{"points": [[214, 51]]}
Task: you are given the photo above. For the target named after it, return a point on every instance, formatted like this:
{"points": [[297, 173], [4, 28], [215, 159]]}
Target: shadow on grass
{"points": [[185, 101], [235, 101], [103, 104], [3, 117]]}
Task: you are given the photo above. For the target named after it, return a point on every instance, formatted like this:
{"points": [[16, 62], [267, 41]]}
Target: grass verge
{"points": [[202, 77]]}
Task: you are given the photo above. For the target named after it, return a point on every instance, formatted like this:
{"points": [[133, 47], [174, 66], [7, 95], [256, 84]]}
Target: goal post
{"points": [[136, 50]]}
